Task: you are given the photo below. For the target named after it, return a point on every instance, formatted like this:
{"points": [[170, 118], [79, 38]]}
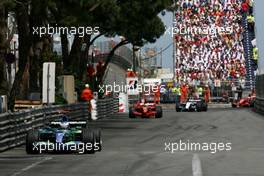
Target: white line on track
{"points": [[31, 166], [256, 149], [196, 166]]}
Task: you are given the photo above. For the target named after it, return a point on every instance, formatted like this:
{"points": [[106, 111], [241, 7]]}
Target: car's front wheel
{"points": [[31, 139], [205, 106], [88, 140], [199, 107], [98, 139], [177, 107], [131, 113], [158, 112]]}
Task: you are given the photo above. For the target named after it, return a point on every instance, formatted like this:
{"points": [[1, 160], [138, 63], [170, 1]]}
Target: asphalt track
{"points": [[136, 147]]}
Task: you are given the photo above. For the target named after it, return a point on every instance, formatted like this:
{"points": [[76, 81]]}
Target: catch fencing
{"points": [[222, 94]]}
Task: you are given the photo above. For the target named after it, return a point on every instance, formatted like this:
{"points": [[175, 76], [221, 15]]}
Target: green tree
{"points": [[22, 18], [114, 18], [3, 31], [5, 5], [139, 23]]}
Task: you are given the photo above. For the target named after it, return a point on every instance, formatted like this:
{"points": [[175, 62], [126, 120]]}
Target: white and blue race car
{"points": [[192, 105], [64, 136]]}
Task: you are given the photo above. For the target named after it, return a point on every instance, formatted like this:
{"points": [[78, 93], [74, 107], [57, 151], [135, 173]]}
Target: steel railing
{"points": [[259, 104]]}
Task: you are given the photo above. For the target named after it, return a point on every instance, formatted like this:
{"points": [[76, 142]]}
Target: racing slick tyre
{"points": [[234, 105], [158, 112], [88, 140], [252, 103], [97, 139], [31, 138], [199, 106], [178, 109], [205, 106], [131, 114]]}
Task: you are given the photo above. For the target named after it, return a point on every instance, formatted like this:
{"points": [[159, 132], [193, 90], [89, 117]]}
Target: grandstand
{"points": [[213, 43]]}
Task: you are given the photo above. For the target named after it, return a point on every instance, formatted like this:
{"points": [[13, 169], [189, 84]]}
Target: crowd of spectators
{"points": [[209, 44], [209, 41]]}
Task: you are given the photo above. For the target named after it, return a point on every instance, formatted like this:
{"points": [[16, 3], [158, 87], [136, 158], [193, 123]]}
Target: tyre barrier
{"points": [[14, 126]]}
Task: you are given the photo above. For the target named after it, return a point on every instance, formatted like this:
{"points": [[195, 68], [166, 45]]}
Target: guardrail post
{"points": [[94, 113]]}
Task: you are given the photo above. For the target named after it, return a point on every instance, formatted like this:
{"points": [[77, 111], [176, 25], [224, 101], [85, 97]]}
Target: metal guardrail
{"points": [[107, 107], [259, 104], [14, 126]]}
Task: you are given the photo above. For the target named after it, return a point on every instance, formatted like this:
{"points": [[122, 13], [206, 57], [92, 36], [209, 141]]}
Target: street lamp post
{"points": [[134, 59], [134, 49]]}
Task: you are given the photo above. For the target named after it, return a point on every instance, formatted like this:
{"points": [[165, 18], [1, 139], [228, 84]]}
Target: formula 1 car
{"points": [[192, 105], [64, 136], [244, 102], [146, 108]]}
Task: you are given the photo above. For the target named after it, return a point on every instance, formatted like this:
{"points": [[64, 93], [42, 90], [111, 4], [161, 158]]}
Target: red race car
{"points": [[146, 108], [244, 102]]}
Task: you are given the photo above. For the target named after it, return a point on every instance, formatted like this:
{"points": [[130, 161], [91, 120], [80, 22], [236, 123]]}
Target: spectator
{"points": [[184, 93], [210, 49], [87, 94]]}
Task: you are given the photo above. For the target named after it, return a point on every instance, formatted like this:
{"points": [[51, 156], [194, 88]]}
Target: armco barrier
{"points": [[107, 107], [14, 126], [259, 104]]}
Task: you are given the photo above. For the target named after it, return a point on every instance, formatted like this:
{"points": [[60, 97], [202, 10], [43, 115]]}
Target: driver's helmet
{"points": [[64, 122]]}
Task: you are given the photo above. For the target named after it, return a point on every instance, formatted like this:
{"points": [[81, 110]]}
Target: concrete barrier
{"points": [[259, 104]]}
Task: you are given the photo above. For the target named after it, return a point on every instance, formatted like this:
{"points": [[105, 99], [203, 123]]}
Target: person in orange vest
{"points": [[87, 96], [207, 94], [157, 95], [87, 93], [184, 92], [130, 73]]}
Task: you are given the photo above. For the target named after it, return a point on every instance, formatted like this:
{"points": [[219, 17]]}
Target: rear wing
{"points": [[71, 123]]}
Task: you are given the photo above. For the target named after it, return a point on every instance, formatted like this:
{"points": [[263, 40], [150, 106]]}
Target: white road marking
{"points": [[256, 149], [31, 166], [196, 166]]}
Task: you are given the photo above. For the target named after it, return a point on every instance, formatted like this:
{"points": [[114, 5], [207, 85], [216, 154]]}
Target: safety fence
{"points": [[107, 107], [217, 95], [14, 126], [224, 93]]}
